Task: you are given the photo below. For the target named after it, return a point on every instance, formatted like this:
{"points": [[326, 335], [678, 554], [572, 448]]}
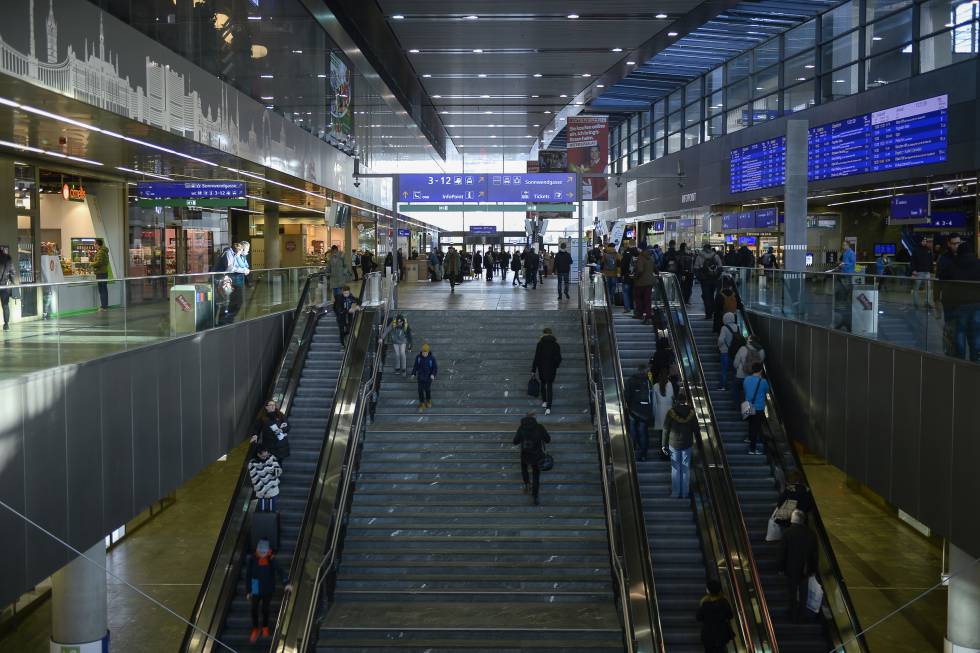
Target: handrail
{"points": [[652, 629], [201, 638], [748, 593], [841, 617], [365, 393], [78, 282]]}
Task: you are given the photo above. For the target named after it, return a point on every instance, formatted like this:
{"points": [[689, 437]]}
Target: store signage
{"points": [[687, 223], [73, 194], [914, 206], [485, 208], [404, 233], [688, 198], [482, 229], [529, 187], [191, 193]]}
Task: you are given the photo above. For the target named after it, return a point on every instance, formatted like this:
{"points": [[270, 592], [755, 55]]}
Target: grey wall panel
{"points": [[791, 334], [169, 421], [86, 468], [193, 402], [965, 527], [46, 468], [905, 443], [145, 432], [818, 389], [836, 399], [117, 441], [222, 440], [13, 493], [243, 364], [936, 443], [856, 409], [880, 407], [215, 381]]}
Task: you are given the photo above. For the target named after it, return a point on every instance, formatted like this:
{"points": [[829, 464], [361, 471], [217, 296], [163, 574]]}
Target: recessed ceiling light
{"points": [[398, 17], [630, 63], [426, 75], [477, 51], [266, 76], [671, 34], [485, 97], [489, 113], [546, 111], [617, 49], [562, 95], [482, 75], [759, 88], [472, 17], [413, 51], [586, 75], [254, 17], [537, 125], [801, 79], [876, 38], [809, 66], [537, 74], [661, 16], [297, 52], [572, 16], [267, 97], [600, 86], [493, 136], [445, 112], [322, 76], [535, 96]]}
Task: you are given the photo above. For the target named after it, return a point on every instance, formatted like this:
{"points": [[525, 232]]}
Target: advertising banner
{"points": [[588, 152], [341, 92]]}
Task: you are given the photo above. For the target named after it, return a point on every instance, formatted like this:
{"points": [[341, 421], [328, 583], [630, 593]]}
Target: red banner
{"points": [[588, 152]]}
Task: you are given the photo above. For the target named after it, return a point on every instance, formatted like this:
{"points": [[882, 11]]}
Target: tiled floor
{"points": [[482, 295], [885, 564], [166, 558]]}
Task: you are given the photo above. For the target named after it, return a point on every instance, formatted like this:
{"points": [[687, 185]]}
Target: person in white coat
{"points": [[662, 398], [747, 355]]}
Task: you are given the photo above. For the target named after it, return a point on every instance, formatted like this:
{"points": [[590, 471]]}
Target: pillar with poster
{"points": [[588, 153]]}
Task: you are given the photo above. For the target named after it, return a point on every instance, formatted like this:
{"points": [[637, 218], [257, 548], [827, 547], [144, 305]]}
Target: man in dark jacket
{"points": [[504, 259], [453, 268], [272, 431], [344, 308], [563, 268], [515, 266], [798, 561], [644, 275], [627, 266], [744, 258], [425, 370], [6, 279], [670, 258], [921, 266], [638, 388], [260, 585], [680, 425], [715, 615], [531, 436], [531, 264], [707, 269], [367, 262], [547, 360]]}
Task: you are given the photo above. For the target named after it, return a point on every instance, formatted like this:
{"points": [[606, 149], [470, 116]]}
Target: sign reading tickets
{"points": [[588, 152], [540, 187]]}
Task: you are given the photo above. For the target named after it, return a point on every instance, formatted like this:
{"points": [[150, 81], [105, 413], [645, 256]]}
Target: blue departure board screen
{"points": [[765, 218], [746, 220], [729, 221], [760, 165], [909, 135]]}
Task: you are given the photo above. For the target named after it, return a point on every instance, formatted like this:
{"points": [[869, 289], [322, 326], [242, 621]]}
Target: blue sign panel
{"points": [[760, 165], [404, 233], [687, 223], [658, 225], [746, 220], [910, 135], [482, 229], [534, 187], [158, 190], [442, 188], [729, 221], [840, 148], [910, 207], [747, 240], [948, 219], [765, 218]]}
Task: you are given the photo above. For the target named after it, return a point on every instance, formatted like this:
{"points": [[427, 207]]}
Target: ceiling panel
{"points": [[485, 8], [562, 35], [544, 63]]}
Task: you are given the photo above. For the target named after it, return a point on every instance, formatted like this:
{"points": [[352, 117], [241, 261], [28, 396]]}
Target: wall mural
{"points": [[153, 85]]}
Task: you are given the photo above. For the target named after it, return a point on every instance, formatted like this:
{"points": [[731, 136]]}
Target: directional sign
{"points": [[482, 229], [535, 187], [442, 188], [151, 190]]}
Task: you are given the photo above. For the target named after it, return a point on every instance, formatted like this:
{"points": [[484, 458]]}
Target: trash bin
{"points": [[190, 308], [864, 310]]}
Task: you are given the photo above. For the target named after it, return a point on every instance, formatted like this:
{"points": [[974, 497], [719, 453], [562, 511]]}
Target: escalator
{"points": [[304, 387], [757, 481]]}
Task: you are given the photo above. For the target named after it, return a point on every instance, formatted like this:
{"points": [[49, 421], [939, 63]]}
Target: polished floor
{"points": [[885, 564], [166, 558], [483, 295]]}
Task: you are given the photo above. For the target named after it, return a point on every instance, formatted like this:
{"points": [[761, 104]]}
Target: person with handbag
{"points": [[547, 360], [532, 437], [755, 388], [798, 561], [795, 496]]}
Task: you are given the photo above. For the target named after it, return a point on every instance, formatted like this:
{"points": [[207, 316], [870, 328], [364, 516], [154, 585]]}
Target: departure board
{"points": [[729, 221], [908, 135], [765, 218], [760, 165]]}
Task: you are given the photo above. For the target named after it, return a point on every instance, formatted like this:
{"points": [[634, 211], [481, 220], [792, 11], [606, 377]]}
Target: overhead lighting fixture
{"points": [[267, 76], [427, 75], [472, 17], [477, 50], [485, 97], [876, 38], [537, 125], [267, 97], [297, 52], [617, 49], [537, 74], [661, 16], [413, 51], [436, 97], [586, 75], [801, 79], [547, 111], [672, 34], [572, 16], [398, 17], [322, 76], [489, 113], [630, 63], [254, 17], [600, 86], [535, 96], [562, 95], [482, 75], [809, 66]]}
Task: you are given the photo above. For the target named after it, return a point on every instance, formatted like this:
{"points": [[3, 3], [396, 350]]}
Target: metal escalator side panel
{"points": [[644, 615], [221, 577], [733, 548], [839, 615], [323, 514]]}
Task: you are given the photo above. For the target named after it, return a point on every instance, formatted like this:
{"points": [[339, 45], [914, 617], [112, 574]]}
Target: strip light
{"points": [[292, 206], [141, 172]]}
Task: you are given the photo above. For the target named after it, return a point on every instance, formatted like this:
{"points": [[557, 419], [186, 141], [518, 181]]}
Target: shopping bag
{"points": [[814, 595], [748, 410], [547, 463], [774, 532], [785, 511], [533, 387]]}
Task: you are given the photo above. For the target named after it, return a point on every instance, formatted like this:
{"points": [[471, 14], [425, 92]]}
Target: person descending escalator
{"points": [[715, 615], [662, 398], [746, 356], [344, 307], [679, 429], [754, 389], [798, 561], [272, 431], [795, 496], [532, 437], [264, 472], [707, 270], [260, 584], [639, 403], [730, 340], [726, 301], [685, 272]]}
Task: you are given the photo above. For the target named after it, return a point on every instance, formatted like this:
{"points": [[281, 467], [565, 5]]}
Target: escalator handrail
{"points": [[243, 494], [602, 440], [777, 432], [739, 553], [706, 504], [365, 393]]}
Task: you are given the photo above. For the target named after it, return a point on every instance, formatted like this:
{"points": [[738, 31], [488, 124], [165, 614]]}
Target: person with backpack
{"points": [[658, 256], [547, 360], [424, 371], [744, 257], [338, 273], [670, 257], [344, 307], [261, 571], [768, 260], [730, 340], [715, 616], [532, 265], [453, 268], [563, 268], [755, 388], [745, 357], [644, 276], [707, 270], [515, 266], [532, 437], [726, 301], [627, 270], [685, 272], [610, 271], [399, 336], [639, 403], [264, 471], [680, 425]]}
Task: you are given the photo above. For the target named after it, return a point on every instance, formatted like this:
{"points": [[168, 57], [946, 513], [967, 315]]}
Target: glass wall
{"points": [[854, 47]]}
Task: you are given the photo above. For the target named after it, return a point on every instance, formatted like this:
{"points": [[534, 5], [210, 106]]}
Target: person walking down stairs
{"points": [[425, 373], [547, 360], [532, 437]]}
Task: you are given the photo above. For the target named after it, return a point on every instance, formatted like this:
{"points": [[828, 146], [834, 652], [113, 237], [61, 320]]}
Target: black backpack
{"points": [[711, 268], [738, 340], [221, 261], [687, 263]]}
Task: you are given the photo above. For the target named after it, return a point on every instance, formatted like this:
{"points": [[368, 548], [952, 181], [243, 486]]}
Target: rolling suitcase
{"points": [[265, 526]]}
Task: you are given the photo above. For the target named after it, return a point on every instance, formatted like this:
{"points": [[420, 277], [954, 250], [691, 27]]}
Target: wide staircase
{"points": [[758, 493], [307, 419], [444, 552], [672, 527]]}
